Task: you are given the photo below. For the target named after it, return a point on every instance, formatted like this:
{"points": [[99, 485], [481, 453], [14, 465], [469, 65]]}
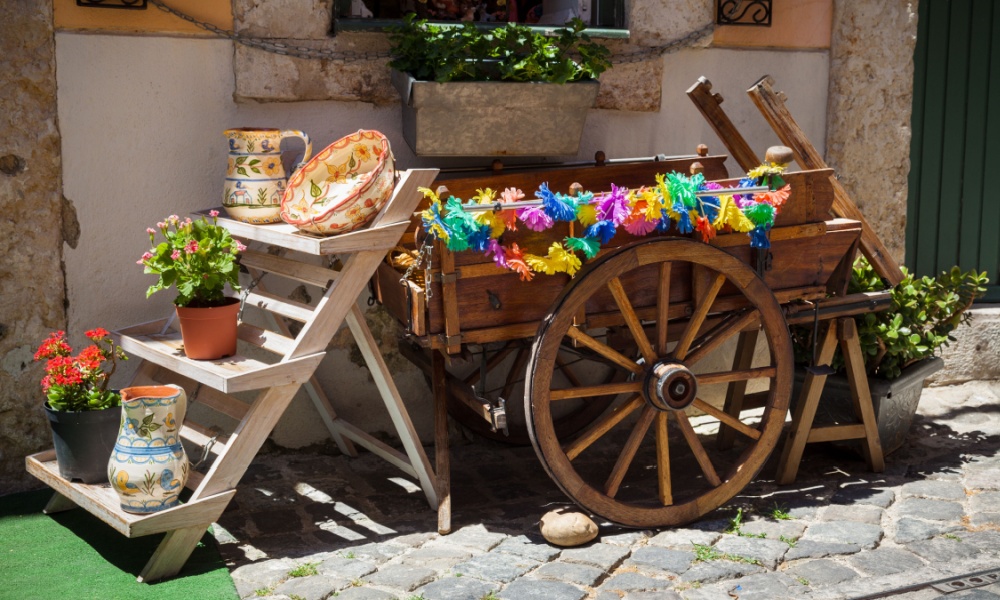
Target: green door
{"points": [[953, 211]]}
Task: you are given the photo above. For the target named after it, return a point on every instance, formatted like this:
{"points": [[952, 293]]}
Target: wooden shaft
{"points": [[772, 106], [709, 105]]}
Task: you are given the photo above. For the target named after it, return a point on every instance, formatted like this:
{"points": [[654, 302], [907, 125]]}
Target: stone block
{"points": [[865, 535], [294, 19], [717, 570], [603, 556], [936, 489], [655, 559], [767, 552], [913, 530], [684, 539], [932, 510], [456, 588], [821, 572], [633, 582], [526, 589], [859, 514], [497, 567], [814, 549], [404, 577], [885, 561], [569, 572]]}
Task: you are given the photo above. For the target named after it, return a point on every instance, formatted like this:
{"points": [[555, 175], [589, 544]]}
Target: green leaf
{"points": [[314, 190]]}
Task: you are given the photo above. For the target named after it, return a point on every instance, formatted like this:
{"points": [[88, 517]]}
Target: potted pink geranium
{"points": [[199, 259]]}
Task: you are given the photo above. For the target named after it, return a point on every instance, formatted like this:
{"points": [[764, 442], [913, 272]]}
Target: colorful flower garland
{"points": [[673, 201]]}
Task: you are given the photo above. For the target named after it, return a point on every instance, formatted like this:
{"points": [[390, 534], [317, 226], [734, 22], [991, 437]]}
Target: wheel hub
{"points": [[670, 386]]}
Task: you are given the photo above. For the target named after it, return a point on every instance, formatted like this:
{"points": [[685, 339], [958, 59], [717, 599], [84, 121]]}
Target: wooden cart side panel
{"points": [[499, 299]]}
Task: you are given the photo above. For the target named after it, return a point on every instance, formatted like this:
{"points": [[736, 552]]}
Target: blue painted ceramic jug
{"points": [[148, 467]]}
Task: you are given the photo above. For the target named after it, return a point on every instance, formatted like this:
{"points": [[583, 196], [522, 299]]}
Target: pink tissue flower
{"points": [[176, 254], [213, 213], [191, 247]]}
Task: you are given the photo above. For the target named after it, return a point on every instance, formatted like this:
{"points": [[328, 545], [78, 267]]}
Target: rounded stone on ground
{"points": [[567, 528]]}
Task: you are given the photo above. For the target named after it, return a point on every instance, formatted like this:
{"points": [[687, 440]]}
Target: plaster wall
{"points": [[142, 121]]}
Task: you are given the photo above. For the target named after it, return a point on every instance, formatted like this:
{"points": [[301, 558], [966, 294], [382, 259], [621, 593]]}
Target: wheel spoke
{"points": [[628, 451], [663, 460], [595, 390], [604, 350], [699, 317], [602, 426], [727, 376], [516, 371], [727, 418], [663, 308], [697, 449], [632, 320], [721, 335], [494, 360], [567, 372]]}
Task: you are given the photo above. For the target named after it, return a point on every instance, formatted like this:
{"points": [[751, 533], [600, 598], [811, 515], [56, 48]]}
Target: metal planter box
{"points": [[494, 118]]}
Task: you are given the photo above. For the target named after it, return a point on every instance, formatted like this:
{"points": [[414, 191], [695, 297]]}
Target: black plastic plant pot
{"points": [[84, 442]]}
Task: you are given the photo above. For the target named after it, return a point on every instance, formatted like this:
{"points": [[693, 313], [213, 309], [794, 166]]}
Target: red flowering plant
{"points": [[79, 383], [197, 257]]}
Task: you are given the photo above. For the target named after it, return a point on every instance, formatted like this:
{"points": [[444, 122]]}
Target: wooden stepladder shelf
{"points": [[276, 366]]}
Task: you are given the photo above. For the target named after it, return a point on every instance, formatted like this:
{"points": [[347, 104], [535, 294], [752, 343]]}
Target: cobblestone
{"points": [[602, 556], [865, 535], [528, 589], [820, 572], [569, 572], [932, 510], [932, 514]]}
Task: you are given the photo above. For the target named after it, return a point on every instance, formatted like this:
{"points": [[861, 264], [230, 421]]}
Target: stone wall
{"points": [[868, 116], [32, 229]]}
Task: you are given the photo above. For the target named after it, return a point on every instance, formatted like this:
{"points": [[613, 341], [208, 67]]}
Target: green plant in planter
{"points": [[923, 313], [510, 53]]}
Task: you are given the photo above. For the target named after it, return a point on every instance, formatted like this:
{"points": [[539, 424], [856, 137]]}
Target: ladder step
{"points": [[230, 375], [200, 435], [204, 395], [291, 269], [266, 339], [282, 306], [833, 433]]}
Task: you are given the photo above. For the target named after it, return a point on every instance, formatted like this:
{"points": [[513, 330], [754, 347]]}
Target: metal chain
{"points": [[351, 56], [424, 256]]}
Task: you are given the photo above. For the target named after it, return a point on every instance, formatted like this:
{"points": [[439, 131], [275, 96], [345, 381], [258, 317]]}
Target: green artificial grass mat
{"points": [[73, 555]]}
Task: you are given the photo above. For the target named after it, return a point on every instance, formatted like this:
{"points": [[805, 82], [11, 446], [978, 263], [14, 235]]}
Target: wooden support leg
{"points": [[743, 360], [440, 385], [850, 347], [172, 553], [805, 411], [393, 403], [58, 503], [246, 440]]}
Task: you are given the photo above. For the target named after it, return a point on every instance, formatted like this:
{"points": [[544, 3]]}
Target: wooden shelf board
{"points": [[102, 502], [232, 374], [383, 237]]}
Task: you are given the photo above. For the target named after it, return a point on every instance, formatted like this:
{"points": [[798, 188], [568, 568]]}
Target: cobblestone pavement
{"points": [[317, 525]]}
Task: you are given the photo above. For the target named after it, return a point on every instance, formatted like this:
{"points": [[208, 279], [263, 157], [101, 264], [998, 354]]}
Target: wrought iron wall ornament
{"points": [[743, 12], [129, 4]]}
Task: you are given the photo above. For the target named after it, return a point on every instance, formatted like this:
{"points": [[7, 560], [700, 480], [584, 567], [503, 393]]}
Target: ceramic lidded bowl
{"points": [[343, 187]]}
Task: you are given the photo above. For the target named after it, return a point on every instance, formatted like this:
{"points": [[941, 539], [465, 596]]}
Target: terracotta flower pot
{"points": [[209, 333]]}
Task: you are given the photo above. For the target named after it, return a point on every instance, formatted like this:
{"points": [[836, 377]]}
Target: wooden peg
{"points": [[497, 166], [701, 150], [442, 191], [779, 155], [697, 167], [575, 189], [600, 158]]}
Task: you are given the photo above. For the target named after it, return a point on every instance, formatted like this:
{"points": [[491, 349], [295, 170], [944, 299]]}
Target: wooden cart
{"points": [[647, 328]]}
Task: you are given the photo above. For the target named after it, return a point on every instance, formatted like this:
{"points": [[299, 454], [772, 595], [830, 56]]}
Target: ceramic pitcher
{"points": [[255, 178], [148, 467]]}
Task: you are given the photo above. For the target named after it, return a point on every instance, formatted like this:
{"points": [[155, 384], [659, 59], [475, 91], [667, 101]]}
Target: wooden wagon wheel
{"points": [[702, 297]]}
